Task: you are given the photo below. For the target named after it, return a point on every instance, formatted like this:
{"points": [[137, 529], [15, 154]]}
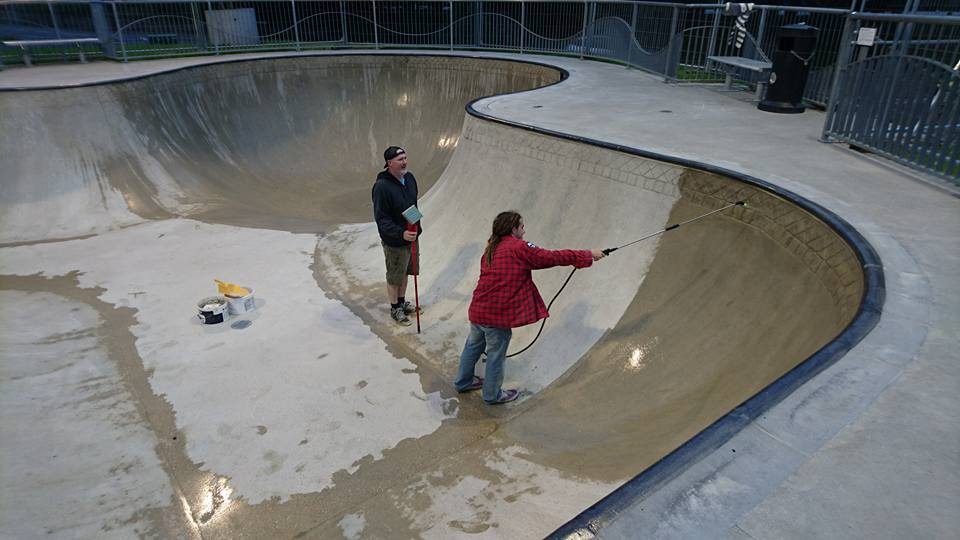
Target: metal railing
{"points": [[900, 96], [708, 32], [669, 39], [672, 40]]}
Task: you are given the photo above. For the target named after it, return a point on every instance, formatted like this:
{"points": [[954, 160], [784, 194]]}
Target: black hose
{"points": [[544, 321], [609, 251]]}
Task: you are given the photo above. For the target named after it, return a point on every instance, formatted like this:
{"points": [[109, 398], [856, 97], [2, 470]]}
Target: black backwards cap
{"points": [[390, 153]]}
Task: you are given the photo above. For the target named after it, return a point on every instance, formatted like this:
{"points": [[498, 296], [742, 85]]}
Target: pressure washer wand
{"points": [[674, 226], [611, 250]]}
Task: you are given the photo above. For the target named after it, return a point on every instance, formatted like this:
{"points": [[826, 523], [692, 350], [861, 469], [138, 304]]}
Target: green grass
{"points": [[696, 74], [47, 55]]}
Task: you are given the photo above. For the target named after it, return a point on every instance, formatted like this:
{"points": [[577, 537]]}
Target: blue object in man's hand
{"points": [[412, 215]]}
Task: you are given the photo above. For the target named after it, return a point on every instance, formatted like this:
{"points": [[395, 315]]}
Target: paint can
{"points": [[241, 304], [213, 310]]}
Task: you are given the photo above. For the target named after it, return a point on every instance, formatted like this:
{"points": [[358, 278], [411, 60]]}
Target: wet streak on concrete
{"points": [[649, 384], [32, 242], [198, 492], [608, 437], [672, 364], [704, 333], [251, 191], [115, 336], [728, 305]]}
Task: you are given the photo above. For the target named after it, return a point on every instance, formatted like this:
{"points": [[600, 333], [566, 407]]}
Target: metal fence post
{"points": [[296, 31], [451, 24], [376, 36], [478, 25], [712, 45], [116, 20], [671, 47], [523, 23], [583, 32], [216, 44], [842, 57], [102, 28], [56, 30], [54, 20], [633, 36], [196, 28], [343, 22], [763, 26]]}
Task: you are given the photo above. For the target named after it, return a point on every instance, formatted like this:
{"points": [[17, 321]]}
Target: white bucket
{"points": [[242, 304], [212, 310]]}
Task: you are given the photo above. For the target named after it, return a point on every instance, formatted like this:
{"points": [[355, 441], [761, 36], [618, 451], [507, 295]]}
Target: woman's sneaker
{"points": [[506, 396], [399, 316], [477, 384]]}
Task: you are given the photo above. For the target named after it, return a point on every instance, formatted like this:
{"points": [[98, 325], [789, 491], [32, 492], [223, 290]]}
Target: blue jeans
{"points": [[495, 342]]}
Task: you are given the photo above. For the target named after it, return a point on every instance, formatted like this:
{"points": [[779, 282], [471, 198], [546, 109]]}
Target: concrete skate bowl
{"points": [[291, 144], [659, 351], [727, 318]]}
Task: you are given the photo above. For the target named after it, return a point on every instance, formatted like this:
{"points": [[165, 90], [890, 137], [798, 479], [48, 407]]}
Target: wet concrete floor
{"points": [[321, 419]]}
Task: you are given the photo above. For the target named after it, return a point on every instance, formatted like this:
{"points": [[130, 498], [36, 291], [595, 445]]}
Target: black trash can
{"points": [[791, 65]]}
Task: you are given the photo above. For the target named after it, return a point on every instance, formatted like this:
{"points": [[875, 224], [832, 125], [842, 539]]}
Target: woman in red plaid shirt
{"points": [[506, 298]]}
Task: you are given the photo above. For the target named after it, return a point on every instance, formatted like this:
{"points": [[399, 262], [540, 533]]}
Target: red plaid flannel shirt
{"points": [[506, 296]]}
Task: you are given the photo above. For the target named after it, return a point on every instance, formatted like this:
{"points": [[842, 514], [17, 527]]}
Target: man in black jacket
{"points": [[394, 191]]}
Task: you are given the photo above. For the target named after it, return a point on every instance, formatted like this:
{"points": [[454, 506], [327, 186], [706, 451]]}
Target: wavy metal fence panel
{"points": [[900, 96]]}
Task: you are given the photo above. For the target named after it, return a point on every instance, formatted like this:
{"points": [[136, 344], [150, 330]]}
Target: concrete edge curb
{"points": [[208, 61]]}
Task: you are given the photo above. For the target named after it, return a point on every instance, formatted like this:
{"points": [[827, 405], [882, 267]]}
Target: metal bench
{"points": [[733, 62], [27, 43]]}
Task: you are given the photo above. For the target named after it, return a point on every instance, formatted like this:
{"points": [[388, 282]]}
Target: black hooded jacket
{"points": [[390, 199]]}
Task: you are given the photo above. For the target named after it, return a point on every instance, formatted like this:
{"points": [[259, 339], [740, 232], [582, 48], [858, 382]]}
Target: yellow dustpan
{"points": [[229, 289]]}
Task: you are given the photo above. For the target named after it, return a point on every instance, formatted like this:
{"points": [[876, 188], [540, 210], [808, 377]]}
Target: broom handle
{"points": [[416, 288]]}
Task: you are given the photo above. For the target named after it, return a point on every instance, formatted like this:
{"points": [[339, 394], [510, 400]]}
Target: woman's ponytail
{"points": [[503, 225]]}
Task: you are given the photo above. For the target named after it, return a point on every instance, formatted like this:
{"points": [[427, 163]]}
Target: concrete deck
{"points": [[868, 448]]}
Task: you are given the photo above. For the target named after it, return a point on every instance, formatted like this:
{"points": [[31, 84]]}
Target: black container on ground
{"points": [[791, 65]]}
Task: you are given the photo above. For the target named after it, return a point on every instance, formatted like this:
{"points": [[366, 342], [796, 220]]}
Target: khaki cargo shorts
{"points": [[399, 261]]}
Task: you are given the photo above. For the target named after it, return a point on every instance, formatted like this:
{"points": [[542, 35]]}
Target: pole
{"points": [[583, 32], [523, 23], [669, 68], [196, 28], [633, 36], [846, 36], [376, 36], [478, 25], [714, 31], [416, 287], [674, 226], [296, 31], [54, 20], [216, 42], [343, 22], [102, 28], [116, 20]]}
